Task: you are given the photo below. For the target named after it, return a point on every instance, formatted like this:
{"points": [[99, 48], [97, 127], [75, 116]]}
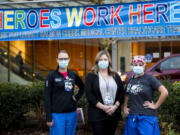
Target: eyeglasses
{"points": [[63, 58]]}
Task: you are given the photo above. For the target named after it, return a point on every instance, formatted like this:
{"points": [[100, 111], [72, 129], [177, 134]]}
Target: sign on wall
{"points": [[141, 19]]}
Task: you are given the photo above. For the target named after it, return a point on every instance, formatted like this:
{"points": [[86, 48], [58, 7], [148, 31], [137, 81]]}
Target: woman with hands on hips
{"points": [[104, 92], [60, 102], [142, 111]]}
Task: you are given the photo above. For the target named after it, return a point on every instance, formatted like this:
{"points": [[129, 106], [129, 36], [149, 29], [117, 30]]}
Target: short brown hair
{"points": [[63, 51]]}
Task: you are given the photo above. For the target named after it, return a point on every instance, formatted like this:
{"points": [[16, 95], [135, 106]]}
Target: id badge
{"points": [[108, 100], [68, 85]]}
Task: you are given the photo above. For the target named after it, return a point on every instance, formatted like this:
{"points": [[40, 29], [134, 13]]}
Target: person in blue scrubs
{"points": [[142, 111], [60, 101]]}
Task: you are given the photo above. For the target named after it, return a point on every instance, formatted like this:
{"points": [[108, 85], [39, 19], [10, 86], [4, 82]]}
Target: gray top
{"points": [[107, 87], [142, 89]]}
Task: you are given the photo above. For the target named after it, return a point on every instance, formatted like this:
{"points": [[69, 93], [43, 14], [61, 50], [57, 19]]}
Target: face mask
{"points": [[103, 64], [63, 63], [138, 70]]}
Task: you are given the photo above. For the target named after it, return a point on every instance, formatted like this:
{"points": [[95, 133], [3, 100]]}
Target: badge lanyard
{"points": [[68, 84], [108, 99]]}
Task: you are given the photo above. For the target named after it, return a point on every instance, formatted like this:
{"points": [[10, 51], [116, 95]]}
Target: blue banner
{"points": [[140, 19]]}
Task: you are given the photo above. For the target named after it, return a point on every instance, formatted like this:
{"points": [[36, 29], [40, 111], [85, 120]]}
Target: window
{"points": [[171, 63]]}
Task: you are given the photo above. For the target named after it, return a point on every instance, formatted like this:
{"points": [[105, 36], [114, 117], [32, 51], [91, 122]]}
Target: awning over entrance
{"points": [[17, 4]]}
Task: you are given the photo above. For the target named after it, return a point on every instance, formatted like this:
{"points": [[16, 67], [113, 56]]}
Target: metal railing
{"points": [[27, 72]]}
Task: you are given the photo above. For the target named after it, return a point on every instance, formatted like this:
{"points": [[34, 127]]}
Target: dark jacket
{"points": [[93, 95], [19, 59], [57, 100]]}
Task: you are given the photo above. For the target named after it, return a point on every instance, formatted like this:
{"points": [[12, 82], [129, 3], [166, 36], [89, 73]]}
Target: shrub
{"points": [[169, 111], [17, 101], [37, 103], [82, 102], [13, 104], [37, 97]]}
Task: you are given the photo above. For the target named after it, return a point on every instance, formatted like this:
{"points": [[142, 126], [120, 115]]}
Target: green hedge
{"points": [[17, 100], [36, 103], [169, 111], [13, 103]]}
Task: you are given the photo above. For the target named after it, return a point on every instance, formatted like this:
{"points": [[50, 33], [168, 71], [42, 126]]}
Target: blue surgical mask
{"points": [[138, 70], [103, 64], [63, 63]]}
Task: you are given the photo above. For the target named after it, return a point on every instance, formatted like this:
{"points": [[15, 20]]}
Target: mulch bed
{"points": [[31, 132]]}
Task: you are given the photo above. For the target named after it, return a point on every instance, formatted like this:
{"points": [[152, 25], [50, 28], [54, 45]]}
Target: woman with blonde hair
{"points": [[104, 92]]}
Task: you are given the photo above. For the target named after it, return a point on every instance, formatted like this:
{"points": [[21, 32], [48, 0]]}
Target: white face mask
{"points": [[103, 64], [138, 70], [63, 63]]}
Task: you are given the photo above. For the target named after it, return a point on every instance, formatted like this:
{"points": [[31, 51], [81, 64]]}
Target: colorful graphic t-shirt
{"points": [[141, 89]]}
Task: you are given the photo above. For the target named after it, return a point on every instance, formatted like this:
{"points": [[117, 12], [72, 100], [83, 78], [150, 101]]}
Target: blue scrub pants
{"points": [[141, 125], [64, 123]]}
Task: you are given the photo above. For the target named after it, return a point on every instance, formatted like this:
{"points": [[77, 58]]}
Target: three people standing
{"points": [[105, 95]]}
